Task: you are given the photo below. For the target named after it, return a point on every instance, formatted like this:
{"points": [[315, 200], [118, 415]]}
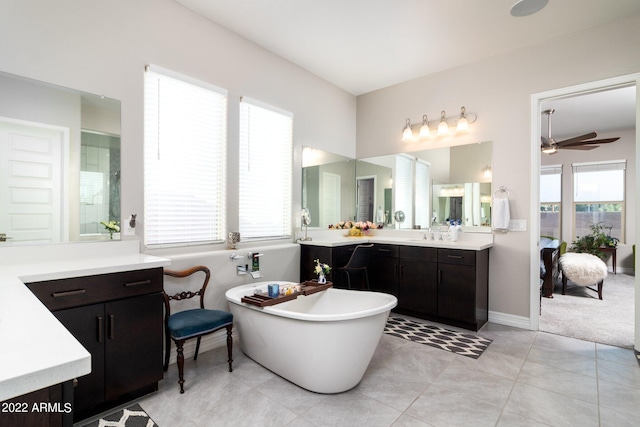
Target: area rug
{"points": [[580, 314], [133, 416], [456, 342]]}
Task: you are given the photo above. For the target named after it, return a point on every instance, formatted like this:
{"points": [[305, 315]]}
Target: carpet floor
{"points": [[580, 314]]}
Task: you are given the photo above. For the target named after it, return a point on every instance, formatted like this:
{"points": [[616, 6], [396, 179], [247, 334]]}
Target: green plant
{"points": [[591, 243]]}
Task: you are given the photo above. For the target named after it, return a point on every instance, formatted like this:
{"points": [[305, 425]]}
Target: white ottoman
{"points": [[583, 270]]}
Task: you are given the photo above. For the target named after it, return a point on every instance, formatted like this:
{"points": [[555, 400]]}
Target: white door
{"points": [[31, 182]]}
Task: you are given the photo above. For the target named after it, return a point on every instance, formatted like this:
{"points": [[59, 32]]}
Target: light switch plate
{"points": [[518, 225], [128, 230]]}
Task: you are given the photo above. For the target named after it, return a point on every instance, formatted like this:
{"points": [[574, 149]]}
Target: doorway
{"points": [[365, 197], [537, 106]]}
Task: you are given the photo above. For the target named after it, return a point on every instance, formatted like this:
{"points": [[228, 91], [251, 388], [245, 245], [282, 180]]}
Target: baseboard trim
{"points": [[510, 320]]}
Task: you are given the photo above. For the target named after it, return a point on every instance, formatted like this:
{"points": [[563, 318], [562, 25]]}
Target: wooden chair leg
{"points": [[230, 347], [564, 284], [179, 348], [195, 357], [167, 350]]}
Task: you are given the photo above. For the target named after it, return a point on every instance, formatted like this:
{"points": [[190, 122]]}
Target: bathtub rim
{"points": [[387, 303]]}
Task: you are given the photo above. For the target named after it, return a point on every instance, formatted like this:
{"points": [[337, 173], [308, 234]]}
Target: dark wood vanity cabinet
{"points": [[118, 318], [409, 273], [336, 257], [445, 285], [463, 288]]}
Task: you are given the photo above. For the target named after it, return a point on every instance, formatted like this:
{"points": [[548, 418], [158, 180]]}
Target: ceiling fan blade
{"points": [[577, 139], [582, 146], [594, 142]]}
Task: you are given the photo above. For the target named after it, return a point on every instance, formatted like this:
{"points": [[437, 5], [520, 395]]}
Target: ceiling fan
{"points": [[582, 142]]}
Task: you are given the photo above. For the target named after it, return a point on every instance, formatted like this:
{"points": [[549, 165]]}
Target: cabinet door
{"points": [[418, 286], [383, 269], [86, 324], [308, 255], [457, 292], [133, 349]]}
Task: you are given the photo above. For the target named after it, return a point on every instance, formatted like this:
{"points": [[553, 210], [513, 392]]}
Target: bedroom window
{"points": [[265, 170], [598, 196], [185, 123], [551, 201]]}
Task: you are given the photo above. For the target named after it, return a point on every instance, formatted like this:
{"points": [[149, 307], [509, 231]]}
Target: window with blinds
{"points": [[551, 201], [184, 160], [265, 170], [598, 196]]}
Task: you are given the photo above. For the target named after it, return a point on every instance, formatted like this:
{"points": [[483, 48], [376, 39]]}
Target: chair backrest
{"points": [[359, 257], [183, 295]]}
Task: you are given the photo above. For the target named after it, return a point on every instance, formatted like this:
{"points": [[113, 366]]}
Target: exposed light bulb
{"points": [[463, 123], [407, 134], [443, 127], [424, 129]]}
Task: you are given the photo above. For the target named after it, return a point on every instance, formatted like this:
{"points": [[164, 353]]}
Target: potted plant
{"points": [[600, 237]]}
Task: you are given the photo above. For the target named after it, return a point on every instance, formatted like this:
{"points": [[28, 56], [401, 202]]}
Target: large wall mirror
{"points": [[426, 188], [328, 187], [59, 162]]}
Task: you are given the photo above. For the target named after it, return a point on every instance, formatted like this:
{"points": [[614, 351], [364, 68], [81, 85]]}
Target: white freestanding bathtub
{"points": [[321, 342]]}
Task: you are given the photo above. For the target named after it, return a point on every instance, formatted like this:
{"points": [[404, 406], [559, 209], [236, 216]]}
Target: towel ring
{"points": [[502, 193]]}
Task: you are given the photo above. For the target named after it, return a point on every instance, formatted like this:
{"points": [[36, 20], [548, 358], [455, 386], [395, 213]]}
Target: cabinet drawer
{"points": [[78, 291], [419, 253], [456, 256], [390, 251]]}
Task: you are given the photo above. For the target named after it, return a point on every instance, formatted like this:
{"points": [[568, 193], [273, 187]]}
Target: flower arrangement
{"points": [[359, 225], [111, 227], [321, 270]]}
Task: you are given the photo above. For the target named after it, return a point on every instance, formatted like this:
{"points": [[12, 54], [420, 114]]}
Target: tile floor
{"points": [[524, 378]]}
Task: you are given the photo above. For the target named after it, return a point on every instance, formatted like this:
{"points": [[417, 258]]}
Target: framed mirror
{"points": [[59, 162], [429, 187], [328, 187]]}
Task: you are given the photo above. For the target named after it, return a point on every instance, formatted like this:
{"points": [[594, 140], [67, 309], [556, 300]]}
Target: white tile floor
{"points": [[524, 378]]}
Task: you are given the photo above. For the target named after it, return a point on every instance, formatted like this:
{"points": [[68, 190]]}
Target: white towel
{"points": [[501, 214]]}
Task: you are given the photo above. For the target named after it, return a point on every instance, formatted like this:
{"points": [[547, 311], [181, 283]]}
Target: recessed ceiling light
{"points": [[527, 7]]}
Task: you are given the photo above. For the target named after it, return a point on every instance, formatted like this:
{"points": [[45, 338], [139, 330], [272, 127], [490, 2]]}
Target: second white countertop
{"points": [[38, 351], [334, 238]]}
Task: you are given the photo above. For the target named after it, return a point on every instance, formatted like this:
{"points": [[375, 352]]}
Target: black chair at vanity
{"points": [[358, 264], [193, 323]]}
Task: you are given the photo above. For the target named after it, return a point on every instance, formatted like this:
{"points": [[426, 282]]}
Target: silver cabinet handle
{"points": [[68, 293]]}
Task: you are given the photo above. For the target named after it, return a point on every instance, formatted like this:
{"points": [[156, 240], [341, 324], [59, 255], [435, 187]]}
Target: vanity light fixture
{"points": [[424, 129], [407, 134], [461, 122], [487, 172], [443, 127]]}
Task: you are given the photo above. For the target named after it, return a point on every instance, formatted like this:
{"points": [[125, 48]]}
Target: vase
{"points": [[322, 278]]}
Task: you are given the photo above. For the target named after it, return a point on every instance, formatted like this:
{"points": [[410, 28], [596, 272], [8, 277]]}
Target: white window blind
{"points": [[595, 182], [422, 196], [265, 171], [184, 159], [403, 183], [551, 184]]}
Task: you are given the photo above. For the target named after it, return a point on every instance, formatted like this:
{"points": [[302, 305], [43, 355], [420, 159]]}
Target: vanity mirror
{"points": [[428, 187], [59, 162], [328, 187]]}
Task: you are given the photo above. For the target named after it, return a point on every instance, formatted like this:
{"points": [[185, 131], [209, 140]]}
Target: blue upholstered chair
{"points": [[193, 323]]}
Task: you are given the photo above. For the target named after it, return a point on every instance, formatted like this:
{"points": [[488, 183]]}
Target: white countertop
{"points": [[37, 350], [333, 238]]}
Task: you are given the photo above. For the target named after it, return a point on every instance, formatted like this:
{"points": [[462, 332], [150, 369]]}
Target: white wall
{"points": [[499, 90], [102, 48]]}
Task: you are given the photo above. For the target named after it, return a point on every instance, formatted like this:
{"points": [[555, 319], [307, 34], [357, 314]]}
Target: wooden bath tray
{"points": [[263, 299]]}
